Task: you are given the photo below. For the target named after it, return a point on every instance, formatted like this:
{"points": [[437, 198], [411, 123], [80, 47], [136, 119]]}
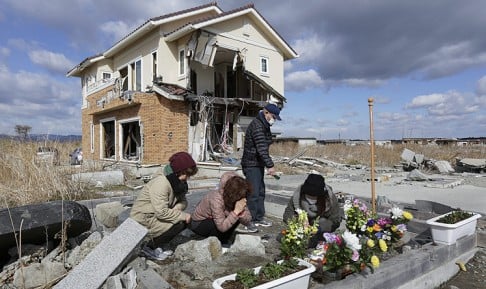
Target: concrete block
{"points": [[108, 213], [103, 179], [110, 255], [407, 155]]}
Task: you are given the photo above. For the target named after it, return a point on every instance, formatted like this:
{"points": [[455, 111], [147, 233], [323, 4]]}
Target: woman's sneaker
{"points": [[157, 254], [263, 223], [250, 228]]}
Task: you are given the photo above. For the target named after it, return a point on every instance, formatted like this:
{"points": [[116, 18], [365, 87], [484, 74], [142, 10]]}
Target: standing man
{"points": [[256, 158]]}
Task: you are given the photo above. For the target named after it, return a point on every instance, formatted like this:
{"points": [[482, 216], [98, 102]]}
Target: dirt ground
{"points": [[475, 275]]}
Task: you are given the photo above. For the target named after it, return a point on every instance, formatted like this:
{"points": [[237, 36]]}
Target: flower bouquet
{"points": [[295, 238], [366, 238]]}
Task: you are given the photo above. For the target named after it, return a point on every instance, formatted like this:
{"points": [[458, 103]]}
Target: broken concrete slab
{"points": [[444, 167], [38, 274], [417, 175], [106, 258], [203, 251], [107, 213], [100, 179], [147, 277], [247, 244], [407, 155]]}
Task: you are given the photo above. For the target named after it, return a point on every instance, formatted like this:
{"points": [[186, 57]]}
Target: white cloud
{"points": [[4, 51], [308, 49], [46, 104], [481, 86], [54, 62], [449, 105], [117, 29], [302, 80], [426, 100]]}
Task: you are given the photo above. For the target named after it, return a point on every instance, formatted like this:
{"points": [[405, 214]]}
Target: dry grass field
{"points": [[384, 156], [25, 180]]}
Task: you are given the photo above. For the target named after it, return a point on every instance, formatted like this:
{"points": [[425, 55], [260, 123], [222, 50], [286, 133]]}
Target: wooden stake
{"points": [[372, 146]]}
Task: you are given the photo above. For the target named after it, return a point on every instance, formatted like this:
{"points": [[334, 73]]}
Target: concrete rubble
{"points": [[108, 253]]}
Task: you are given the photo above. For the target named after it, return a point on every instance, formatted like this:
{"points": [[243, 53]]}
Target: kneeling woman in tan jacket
{"points": [[222, 210], [161, 203]]}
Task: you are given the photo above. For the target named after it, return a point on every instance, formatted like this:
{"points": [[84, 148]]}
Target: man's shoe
{"points": [[250, 228], [263, 223]]}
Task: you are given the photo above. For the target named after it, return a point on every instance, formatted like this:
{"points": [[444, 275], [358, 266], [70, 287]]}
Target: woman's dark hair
{"points": [[235, 189]]}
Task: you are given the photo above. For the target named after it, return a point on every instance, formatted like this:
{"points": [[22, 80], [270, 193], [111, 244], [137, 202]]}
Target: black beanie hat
{"points": [[314, 185], [181, 161]]}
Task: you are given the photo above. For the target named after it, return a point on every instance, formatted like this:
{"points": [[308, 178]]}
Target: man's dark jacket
{"points": [[258, 139]]}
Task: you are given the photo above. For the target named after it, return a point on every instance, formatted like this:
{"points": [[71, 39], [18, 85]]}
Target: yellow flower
{"points": [[382, 245], [370, 229], [407, 215], [375, 261], [393, 228], [370, 243]]}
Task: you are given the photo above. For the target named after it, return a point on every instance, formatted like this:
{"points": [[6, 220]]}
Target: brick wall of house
{"points": [[164, 123]]}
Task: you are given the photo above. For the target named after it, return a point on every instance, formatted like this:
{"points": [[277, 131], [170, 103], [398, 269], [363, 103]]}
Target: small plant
{"points": [[455, 217], [247, 278]]}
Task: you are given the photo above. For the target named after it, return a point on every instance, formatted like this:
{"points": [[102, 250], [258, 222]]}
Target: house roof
{"points": [[142, 30], [219, 16], [171, 91], [288, 51]]}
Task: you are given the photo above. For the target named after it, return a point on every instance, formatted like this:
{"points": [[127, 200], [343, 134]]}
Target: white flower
{"points": [[352, 241], [396, 212], [347, 205]]}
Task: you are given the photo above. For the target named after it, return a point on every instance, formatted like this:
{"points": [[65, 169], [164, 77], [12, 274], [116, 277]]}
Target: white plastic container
{"points": [[449, 233], [297, 280]]}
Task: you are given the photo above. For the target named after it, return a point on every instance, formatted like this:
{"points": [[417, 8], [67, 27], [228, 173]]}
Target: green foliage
{"points": [[268, 272], [247, 277], [296, 236], [455, 217]]}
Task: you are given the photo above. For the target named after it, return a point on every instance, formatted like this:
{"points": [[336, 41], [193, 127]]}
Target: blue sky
{"points": [[423, 62]]}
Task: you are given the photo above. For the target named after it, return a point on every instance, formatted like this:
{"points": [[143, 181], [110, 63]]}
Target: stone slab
{"points": [[106, 258]]}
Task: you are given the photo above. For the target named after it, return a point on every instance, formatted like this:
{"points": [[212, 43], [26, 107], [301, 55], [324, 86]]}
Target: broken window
{"points": [[123, 77], [154, 66], [238, 85], [108, 139], [131, 140]]}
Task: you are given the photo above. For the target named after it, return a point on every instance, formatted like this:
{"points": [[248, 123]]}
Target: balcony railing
{"points": [[100, 84]]}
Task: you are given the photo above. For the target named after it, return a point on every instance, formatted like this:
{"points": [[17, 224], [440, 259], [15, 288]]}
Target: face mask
{"points": [[271, 121], [311, 201]]}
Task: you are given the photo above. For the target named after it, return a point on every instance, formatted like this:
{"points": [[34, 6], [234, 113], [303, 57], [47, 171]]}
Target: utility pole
{"points": [[372, 148]]}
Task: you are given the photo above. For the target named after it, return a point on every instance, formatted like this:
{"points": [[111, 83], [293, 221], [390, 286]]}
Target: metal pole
{"points": [[372, 146]]}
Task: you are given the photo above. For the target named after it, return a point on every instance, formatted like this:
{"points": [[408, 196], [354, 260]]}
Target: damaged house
{"points": [[190, 80]]}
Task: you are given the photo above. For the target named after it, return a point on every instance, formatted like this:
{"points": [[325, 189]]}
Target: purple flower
{"points": [[370, 223], [330, 237], [355, 256], [384, 221]]}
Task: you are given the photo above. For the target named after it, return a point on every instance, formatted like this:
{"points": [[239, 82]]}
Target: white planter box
{"points": [[448, 233], [297, 280]]}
